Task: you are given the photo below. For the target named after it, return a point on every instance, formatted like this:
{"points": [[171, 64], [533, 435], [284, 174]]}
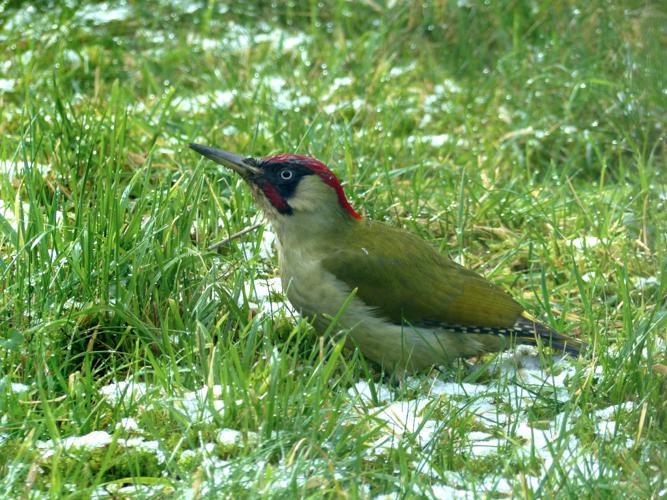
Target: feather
{"points": [[405, 279]]}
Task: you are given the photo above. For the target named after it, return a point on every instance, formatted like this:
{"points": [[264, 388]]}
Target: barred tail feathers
{"points": [[531, 332]]}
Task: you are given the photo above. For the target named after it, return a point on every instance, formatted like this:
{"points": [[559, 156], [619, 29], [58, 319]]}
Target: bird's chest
{"points": [[308, 286]]}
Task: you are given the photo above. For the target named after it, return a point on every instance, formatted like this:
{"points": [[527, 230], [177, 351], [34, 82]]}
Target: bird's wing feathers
{"points": [[405, 279]]}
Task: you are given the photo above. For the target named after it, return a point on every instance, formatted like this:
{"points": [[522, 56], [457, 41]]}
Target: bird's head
{"points": [[289, 188]]}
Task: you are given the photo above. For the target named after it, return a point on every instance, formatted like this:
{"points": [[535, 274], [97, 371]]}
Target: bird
{"points": [[402, 303]]}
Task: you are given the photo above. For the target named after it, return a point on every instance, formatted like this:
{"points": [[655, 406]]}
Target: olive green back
{"points": [[405, 279]]}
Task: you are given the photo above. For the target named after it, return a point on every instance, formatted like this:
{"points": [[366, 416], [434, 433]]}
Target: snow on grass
{"points": [[201, 405], [95, 439], [103, 13], [283, 98], [14, 169], [265, 250], [7, 85], [642, 283], [128, 424], [114, 490], [204, 102], [238, 38], [356, 104], [125, 391], [11, 214], [14, 387], [444, 492], [587, 242], [502, 407], [140, 444], [265, 295], [437, 140]]}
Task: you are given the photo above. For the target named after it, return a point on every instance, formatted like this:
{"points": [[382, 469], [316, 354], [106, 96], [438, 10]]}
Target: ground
{"points": [[525, 139]]}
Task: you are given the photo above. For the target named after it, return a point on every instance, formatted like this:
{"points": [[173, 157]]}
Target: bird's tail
{"points": [[529, 331]]}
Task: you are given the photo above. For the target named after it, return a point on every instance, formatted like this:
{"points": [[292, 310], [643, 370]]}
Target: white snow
{"points": [[14, 169], [587, 242], [127, 391], [611, 411], [437, 140], [95, 439], [143, 445], [229, 437], [7, 85], [19, 388], [440, 388], [203, 102], [397, 71], [364, 391], [199, 405], [265, 296], [233, 437], [642, 283], [483, 443], [355, 104], [501, 405], [103, 13], [10, 214], [344, 81], [128, 424], [238, 38]]}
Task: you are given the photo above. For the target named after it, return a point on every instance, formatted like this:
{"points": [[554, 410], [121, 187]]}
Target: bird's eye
{"points": [[286, 175]]}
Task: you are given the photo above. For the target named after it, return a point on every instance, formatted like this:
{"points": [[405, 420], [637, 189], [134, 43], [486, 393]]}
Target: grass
{"points": [[526, 139]]}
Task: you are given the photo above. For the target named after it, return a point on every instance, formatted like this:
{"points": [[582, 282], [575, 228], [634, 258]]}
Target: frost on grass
{"points": [[497, 416]]}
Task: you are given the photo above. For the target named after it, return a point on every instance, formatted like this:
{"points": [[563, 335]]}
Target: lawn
{"points": [[525, 139]]}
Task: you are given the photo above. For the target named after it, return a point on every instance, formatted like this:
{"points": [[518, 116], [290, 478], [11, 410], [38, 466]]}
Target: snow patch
{"points": [[7, 85], [587, 242], [126, 391], [203, 102], [261, 295], [128, 424], [642, 283], [102, 13], [200, 405], [437, 140], [95, 439], [15, 169]]}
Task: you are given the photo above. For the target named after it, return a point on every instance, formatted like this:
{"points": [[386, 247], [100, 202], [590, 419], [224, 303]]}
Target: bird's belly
{"points": [[320, 296]]}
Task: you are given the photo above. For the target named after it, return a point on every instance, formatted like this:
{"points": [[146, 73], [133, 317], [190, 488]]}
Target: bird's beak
{"points": [[237, 163]]}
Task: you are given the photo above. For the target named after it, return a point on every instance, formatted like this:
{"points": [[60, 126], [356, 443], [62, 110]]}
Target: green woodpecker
{"points": [[403, 304]]}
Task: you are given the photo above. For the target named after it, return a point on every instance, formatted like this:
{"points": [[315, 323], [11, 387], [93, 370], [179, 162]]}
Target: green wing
{"points": [[405, 278]]}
